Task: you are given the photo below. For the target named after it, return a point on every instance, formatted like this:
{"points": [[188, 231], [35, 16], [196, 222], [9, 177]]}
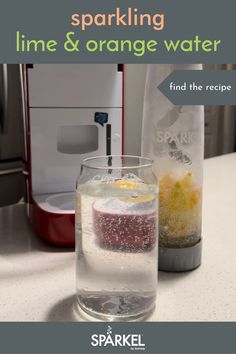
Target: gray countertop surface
{"points": [[37, 282]]}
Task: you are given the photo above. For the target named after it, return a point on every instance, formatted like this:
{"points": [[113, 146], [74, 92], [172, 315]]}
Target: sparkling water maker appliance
{"points": [[72, 111]]}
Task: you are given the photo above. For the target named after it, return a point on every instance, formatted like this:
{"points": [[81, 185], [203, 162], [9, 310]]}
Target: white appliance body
{"points": [[73, 112]]}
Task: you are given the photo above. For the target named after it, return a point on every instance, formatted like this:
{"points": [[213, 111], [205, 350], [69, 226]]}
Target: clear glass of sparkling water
{"points": [[116, 238]]}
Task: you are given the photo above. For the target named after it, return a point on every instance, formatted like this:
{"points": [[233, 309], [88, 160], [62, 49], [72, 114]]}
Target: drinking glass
{"points": [[116, 237]]}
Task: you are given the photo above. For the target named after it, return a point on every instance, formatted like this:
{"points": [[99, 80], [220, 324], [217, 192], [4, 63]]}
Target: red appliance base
{"points": [[54, 228]]}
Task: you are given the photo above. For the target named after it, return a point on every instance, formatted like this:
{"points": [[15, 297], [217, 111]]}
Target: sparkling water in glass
{"points": [[116, 238]]}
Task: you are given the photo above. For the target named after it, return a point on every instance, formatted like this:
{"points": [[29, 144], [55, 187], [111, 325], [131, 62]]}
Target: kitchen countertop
{"points": [[37, 282]]}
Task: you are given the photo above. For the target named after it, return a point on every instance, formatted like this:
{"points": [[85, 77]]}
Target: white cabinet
{"points": [[220, 130], [211, 131]]}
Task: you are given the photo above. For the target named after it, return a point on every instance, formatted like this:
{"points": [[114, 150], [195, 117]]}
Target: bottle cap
{"points": [[180, 259]]}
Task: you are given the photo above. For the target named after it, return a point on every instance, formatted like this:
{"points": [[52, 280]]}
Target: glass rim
{"points": [[147, 162]]}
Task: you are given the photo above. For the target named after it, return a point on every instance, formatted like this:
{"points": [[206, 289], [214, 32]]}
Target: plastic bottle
{"points": [[173, 136]]}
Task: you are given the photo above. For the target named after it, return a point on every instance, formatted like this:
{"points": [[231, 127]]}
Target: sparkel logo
{"points": [[134, 341], [183, 138]]}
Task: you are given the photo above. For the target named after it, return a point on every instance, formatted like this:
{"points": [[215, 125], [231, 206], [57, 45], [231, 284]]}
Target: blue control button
{"points": [[101, 118]]}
